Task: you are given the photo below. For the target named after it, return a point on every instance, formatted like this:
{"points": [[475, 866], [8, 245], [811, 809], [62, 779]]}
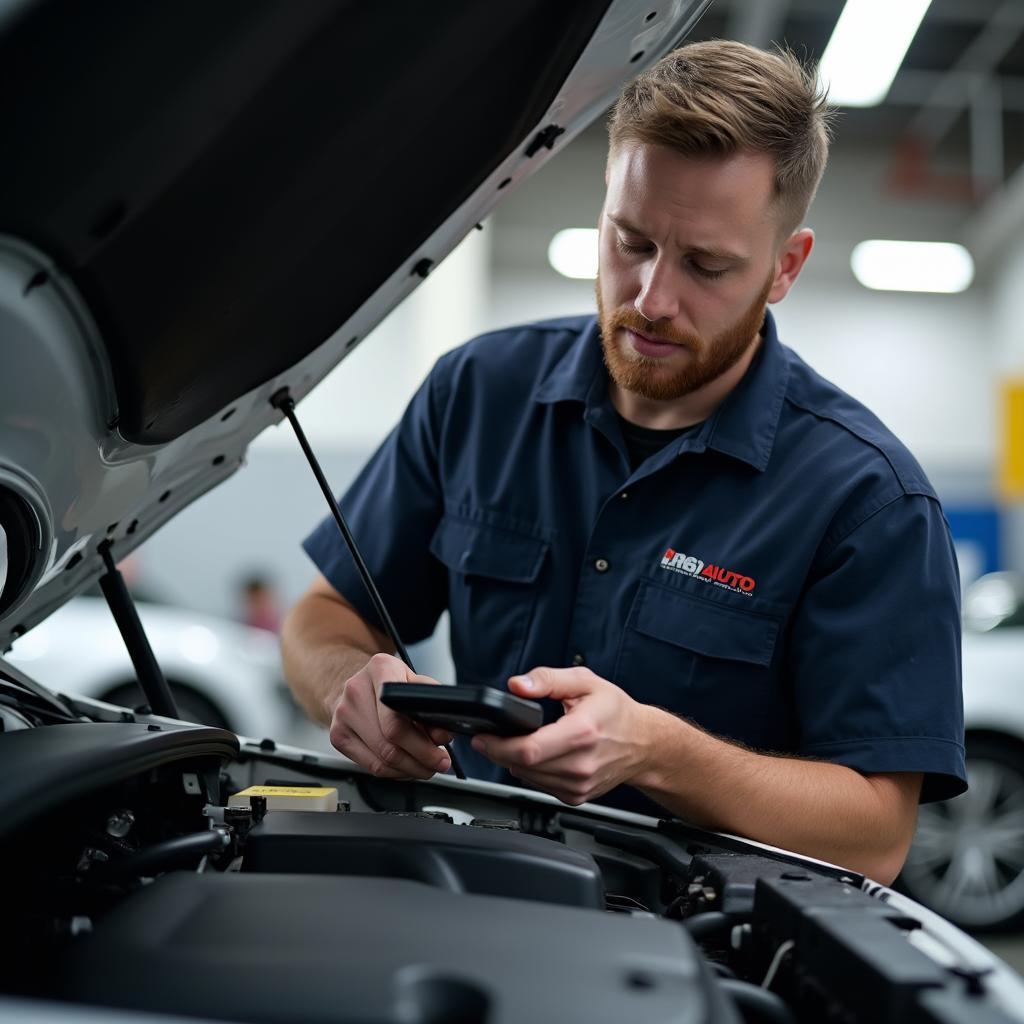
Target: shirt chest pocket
{"points": [[492, 577], [700, 658]]}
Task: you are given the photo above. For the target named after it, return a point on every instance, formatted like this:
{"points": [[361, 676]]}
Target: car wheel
{"points": [[192, 706], [967, 859]]}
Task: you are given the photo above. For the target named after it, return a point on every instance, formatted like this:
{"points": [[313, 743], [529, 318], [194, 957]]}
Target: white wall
{"points": [[1008, 311], [924, 364]]}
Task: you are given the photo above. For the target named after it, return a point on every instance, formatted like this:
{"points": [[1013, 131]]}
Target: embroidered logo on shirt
{"points": [[688, 565]]}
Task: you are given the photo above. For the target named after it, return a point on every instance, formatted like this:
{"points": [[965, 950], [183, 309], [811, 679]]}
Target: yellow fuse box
{"points": [[289, 798]]}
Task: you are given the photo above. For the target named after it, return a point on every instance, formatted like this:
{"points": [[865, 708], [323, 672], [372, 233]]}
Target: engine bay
{"points": [[145, 873]]}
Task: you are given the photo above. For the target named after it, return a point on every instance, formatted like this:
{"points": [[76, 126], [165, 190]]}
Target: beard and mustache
{"points": [[651, 377]]}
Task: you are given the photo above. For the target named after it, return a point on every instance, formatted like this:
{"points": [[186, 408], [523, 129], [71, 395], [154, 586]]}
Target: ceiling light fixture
{"points": [[573, 253], [912, 266], [867, 48]]}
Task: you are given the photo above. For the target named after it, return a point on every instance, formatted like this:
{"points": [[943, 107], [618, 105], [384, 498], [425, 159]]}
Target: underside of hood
{"points": [[227, 183], [201, 203]]}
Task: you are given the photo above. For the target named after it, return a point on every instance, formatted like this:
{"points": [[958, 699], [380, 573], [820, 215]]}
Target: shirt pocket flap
{"points": [[704, 626], [478, 549]]}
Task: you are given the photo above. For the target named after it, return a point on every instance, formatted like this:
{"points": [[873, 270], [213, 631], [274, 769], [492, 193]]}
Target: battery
{"points": [[289, 798]]}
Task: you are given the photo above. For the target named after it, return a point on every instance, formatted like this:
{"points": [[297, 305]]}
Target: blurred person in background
{"points": [[259, 604]]}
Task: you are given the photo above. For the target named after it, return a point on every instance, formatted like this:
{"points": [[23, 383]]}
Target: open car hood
{"points": [[202, 204]]}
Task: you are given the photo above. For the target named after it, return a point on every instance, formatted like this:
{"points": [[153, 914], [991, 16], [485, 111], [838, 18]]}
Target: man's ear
{"points": [[790, 261]]}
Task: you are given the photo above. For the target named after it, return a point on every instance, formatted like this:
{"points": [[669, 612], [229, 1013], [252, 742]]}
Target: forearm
{"points": [[817, 808], [324, 642]]}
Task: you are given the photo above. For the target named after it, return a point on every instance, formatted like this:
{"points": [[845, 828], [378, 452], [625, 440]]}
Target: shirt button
{"points": [[578, 659], [601, 565], [624, 495]]}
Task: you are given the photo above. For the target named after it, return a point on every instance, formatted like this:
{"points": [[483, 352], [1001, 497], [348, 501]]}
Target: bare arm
{"points": [[829, 811], [824, 810], [324, 641], [335, 664]]}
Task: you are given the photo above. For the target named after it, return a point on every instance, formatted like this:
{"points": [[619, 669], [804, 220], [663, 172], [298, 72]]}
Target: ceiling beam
{"points": [[998, 36], [959, 89]]}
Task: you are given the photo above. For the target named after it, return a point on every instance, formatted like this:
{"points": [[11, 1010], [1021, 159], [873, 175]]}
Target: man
{"points": [[734, 581]]}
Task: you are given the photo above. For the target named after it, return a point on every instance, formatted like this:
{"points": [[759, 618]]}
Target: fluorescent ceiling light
{"points": [[573, 252], [912, 266], [867, 48]]}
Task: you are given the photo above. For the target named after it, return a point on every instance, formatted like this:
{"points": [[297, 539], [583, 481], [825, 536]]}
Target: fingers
{"points": [[556, 683], [374, 736], [438, 736], [397, 729], [559, 758], [569, 791], [356, 750], [410, 741], [365, 743], [568, 735], [415, 678]]}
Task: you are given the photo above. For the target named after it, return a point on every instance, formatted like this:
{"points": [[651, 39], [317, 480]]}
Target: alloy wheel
{"points": [[967, 860]]}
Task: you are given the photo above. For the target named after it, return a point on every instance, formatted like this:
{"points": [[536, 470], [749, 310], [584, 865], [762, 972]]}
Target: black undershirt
{"points": [[643, 442]]}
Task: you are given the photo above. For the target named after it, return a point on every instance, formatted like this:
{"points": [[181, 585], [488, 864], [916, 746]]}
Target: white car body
{"points": [[235, 668], [993, 664]]}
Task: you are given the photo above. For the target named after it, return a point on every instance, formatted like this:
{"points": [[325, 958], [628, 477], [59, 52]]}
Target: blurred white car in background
{"points": [[221, 672], [967, 861]]}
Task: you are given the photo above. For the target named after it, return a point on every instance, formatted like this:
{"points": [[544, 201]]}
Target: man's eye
{"points": [[629, 250], [705, 271]]}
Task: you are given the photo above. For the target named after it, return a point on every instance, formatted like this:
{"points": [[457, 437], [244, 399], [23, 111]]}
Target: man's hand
{"points": [[390, 745], [597, 744], [862, 821]]}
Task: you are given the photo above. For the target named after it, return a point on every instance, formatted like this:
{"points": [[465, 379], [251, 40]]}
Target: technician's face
{"points": [[688, 258]]}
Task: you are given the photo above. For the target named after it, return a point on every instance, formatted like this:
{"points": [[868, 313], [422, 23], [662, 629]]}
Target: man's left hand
{"points": [[598, 744]]}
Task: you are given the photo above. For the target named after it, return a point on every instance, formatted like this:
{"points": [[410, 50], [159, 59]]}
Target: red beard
{"points": [[651, 377]]}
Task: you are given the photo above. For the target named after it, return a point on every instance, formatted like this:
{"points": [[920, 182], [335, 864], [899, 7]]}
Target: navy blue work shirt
{"points": [[783, 577]]}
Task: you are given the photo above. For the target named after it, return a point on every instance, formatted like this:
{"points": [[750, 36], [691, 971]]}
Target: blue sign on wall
{"points": [[976, 533]]}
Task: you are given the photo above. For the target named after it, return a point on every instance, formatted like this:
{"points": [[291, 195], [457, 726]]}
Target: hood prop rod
{"points": [[122, 607], [283, 401]]}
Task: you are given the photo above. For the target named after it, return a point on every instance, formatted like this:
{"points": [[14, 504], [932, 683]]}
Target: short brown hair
{"points": [[720, 97]]}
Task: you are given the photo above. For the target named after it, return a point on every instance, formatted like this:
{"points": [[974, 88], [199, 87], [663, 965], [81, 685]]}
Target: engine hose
{"points": [[181, 851], [708, 925], [756, 1004]]}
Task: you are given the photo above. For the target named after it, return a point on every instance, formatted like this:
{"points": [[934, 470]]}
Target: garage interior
{"points": [[939, 159]]}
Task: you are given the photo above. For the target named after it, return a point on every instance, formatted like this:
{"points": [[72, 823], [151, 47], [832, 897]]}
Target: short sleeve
{"points": [[876, 649], [393, 508]]}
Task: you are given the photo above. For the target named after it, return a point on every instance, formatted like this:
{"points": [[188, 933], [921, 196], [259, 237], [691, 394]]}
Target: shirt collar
{"points": [[574, 375], [743, 426]]}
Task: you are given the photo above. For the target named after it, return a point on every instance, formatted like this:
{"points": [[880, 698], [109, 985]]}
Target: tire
{"points": [[192, 705], [967, 859]]}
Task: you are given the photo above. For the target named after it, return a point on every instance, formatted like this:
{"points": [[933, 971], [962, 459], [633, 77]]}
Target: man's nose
{"points": [[658, 298]]}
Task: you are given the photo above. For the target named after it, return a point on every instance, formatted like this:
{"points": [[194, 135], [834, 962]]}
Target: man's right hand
{"points": [[390, 745]]}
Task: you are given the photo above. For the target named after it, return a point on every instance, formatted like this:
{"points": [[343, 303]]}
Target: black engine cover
{"points": [[286, 948], [458, 858]]}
